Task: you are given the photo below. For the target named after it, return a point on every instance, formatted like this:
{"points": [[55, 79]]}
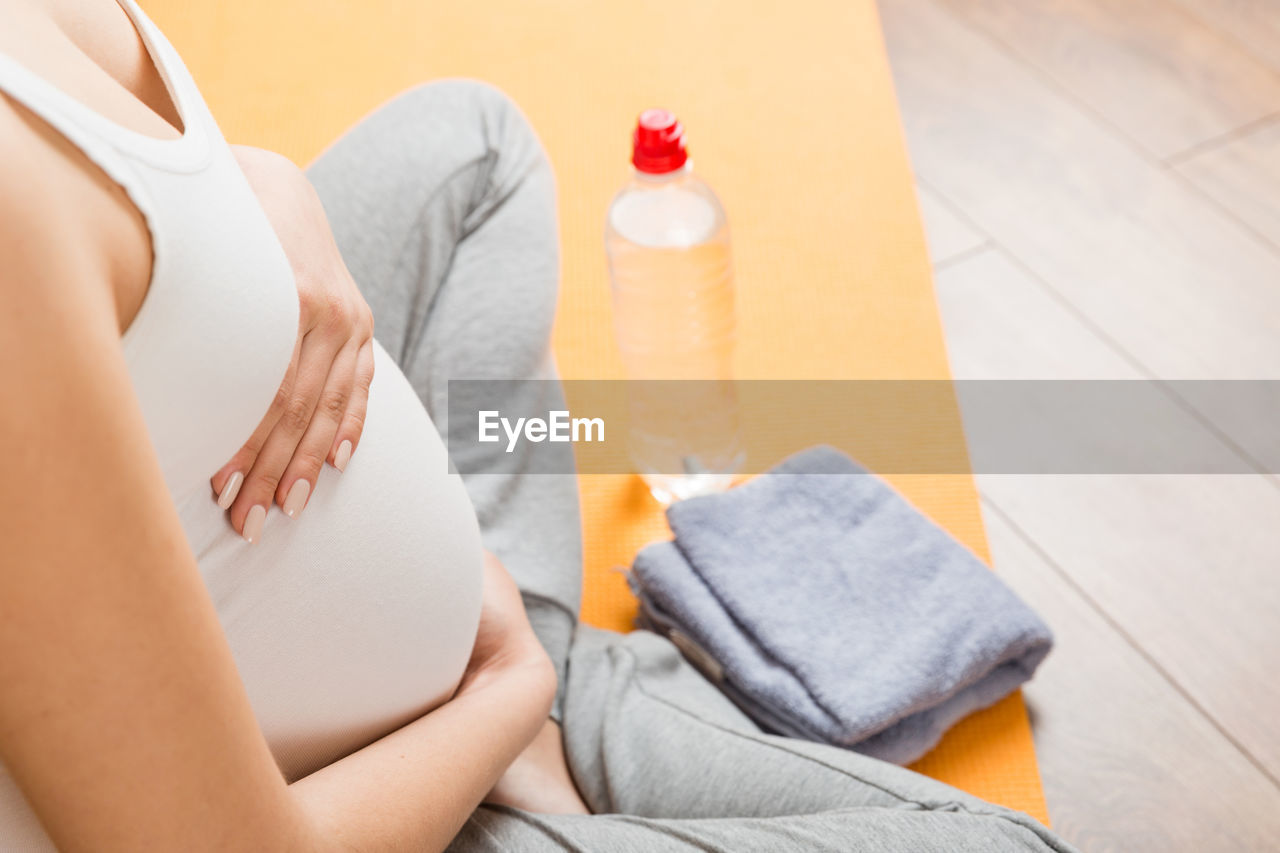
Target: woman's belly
{"points": [[359, 615]]}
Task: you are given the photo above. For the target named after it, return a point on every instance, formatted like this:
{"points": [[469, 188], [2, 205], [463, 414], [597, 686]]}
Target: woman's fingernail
{"points": [[253, 523], [343, 456], [230, 489], [297, 498]]}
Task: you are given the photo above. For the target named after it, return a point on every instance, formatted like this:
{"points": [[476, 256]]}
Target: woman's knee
{"points": [[459, 141], [490, 118], [468, 95]]}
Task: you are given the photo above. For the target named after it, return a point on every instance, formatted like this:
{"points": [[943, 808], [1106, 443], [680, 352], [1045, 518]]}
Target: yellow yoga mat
{"points": [[790, 115]]}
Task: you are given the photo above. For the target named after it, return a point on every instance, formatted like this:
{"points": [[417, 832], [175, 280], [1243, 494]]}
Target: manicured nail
{"points": [[253, 523], [297, 498], [343, 456], [230, 489]]}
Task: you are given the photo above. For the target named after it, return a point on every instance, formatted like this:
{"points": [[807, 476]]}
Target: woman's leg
{"points": [[443, 204], [670, 764]]}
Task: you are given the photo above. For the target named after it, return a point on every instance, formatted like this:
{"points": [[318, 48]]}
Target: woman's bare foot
{"points": [[538, 780]]}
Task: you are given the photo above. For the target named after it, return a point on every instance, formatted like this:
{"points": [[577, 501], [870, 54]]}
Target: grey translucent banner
{"points": [[889, 426]]}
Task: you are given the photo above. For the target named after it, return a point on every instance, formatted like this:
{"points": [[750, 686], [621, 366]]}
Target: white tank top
{"points": [[359, 615]]}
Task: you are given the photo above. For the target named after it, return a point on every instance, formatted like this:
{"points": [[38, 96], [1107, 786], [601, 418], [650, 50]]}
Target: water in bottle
{"points": [[671, 266]]}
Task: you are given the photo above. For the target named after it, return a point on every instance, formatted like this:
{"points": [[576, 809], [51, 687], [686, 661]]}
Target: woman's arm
{"points": [[122, 716]]}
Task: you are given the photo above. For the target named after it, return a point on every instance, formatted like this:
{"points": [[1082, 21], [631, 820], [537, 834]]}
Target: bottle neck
{"points": [[663, 177]]}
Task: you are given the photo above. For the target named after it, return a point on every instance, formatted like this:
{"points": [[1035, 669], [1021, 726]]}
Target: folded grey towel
{"points": [[828, 608]]}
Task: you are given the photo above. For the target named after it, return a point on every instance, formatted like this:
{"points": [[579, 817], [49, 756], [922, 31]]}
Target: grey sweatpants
{"points": [[443, 204]]}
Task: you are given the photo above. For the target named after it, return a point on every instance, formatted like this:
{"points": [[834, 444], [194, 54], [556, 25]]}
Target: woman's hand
{"points": [[539, 779], [505, 640], [318, 412]]}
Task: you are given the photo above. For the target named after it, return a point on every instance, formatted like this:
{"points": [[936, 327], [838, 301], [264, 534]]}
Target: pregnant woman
{"points": [[244, 604]]}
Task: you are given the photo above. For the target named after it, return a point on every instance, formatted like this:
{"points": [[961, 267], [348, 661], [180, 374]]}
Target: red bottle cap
{"points": [[658, 143]]}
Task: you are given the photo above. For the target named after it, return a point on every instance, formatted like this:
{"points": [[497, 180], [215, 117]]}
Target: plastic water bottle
{"points": [[670, 261]]}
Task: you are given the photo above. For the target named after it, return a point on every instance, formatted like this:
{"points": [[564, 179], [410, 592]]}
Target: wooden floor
{"points": [[1100, 184]]}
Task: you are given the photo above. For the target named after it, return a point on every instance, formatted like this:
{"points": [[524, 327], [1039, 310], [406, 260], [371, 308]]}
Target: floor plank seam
{"points": [[953, 208], [1248, 228], [1128, 638], [961, 257], [1215, 142]]}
